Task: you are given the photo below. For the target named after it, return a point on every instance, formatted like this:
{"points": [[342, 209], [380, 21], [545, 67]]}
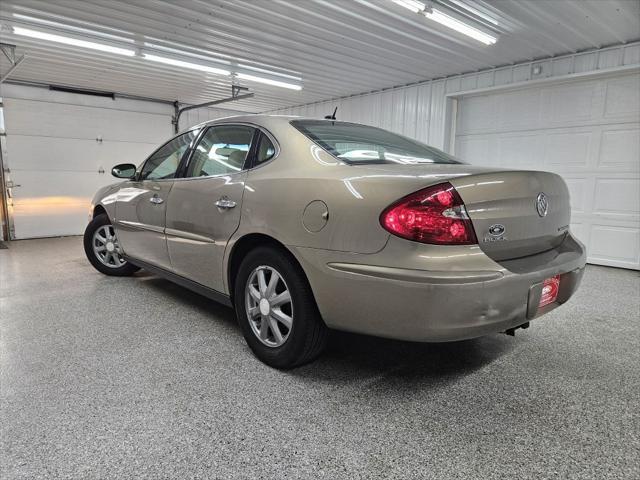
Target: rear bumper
{"points": [[432, 293]]}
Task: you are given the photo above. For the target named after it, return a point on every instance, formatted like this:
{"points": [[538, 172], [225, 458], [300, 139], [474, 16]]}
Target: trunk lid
{"points": [[495, 198], [516, 213]]}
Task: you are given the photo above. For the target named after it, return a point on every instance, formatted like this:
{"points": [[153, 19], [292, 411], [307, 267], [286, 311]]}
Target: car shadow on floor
{"points": [[380, 362], [351, 357]]}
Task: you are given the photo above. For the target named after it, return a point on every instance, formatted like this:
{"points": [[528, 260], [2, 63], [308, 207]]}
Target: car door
{"points": [[204, 207], [141, 203]]}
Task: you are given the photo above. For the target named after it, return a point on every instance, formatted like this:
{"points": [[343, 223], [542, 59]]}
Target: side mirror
{"points": [[124, 170]]}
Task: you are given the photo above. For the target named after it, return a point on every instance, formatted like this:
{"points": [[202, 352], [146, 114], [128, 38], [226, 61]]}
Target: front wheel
{"points": [[276, 309], [103, 249]]}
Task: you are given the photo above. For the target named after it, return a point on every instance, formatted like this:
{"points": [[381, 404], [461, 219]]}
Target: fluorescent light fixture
{"points": [[447, 20], [458, 26], [268, 81], [74, 29], [413, 5], [180, 63], [72, 41]]}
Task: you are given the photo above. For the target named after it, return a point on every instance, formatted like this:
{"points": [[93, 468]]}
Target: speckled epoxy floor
{"points": [[138, 378]]}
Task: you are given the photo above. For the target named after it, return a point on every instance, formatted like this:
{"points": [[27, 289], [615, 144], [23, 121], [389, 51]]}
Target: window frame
{"points": [[138, 177], [276, 150], [187, 160], [249, 163]]}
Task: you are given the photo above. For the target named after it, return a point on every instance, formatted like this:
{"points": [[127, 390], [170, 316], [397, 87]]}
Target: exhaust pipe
{"points": [[512, 331]]}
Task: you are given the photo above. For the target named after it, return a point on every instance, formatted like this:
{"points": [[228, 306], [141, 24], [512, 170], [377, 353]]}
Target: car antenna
{"points": [[333, 116]]}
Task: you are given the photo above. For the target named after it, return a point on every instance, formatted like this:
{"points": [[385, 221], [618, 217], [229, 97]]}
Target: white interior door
{"points": [[59, 154], [588, 131]]}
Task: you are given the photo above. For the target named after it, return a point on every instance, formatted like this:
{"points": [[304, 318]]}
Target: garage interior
{"points": [[105, 377]]}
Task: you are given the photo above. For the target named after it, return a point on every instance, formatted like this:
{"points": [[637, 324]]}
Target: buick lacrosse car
{"points": [[309, 225]]}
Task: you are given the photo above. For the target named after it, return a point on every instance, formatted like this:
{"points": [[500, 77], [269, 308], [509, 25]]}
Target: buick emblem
{"points": [[542, 204], [496, 230]]}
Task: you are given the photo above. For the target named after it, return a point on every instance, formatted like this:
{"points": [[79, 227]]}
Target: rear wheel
{"points": [[276, 309], [103, 249]]}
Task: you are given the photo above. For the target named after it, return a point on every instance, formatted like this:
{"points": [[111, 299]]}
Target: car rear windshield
{"points": [[361, 144]]}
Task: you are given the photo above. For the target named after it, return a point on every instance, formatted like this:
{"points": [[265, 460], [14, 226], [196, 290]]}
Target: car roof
{"points": [[264, 120], [259, 119]]}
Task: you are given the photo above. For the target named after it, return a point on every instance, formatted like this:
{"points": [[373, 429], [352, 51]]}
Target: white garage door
{"points": [[59, 154], [588, 131]]}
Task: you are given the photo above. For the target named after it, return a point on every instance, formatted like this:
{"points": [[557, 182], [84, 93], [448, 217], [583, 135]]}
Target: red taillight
{"points": [[550, 289], [433, 215]]}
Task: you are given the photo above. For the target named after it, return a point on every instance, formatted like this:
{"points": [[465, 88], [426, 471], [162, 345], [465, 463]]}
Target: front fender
{"points": [[106, 198]]}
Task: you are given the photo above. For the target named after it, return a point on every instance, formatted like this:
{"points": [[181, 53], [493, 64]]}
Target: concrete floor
{"points": [[136, 377]]}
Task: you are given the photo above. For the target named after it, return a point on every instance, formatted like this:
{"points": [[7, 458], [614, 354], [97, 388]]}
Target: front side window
{"points": [[222, 150], [361, 144], [163, 164]]}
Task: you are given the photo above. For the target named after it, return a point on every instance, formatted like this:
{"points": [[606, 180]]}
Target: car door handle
{"points": [[156, 199], [225, 203]]}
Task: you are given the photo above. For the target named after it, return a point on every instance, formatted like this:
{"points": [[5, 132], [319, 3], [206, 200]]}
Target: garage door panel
{"points": [[619, 197], [620, 148], [476, 151], [588, 132], [36, 118], [570, 103], [618, 246], [479, 116], [69, 154], [520, 151], [578, 188], [67, 217], [622, 97], [519, 109], [565, 148], [37, 184]]}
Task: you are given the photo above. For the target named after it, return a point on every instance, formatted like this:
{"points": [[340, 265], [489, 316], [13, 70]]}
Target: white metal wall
{"points": [[60, 148], [420, 111]]}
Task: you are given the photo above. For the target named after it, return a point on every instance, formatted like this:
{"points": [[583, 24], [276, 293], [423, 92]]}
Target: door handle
{"points": [[156, 199], [225, 203]]}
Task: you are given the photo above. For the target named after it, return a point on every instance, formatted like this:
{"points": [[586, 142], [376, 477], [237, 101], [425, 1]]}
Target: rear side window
{"points": [[266, 150], [222, 150], [361, 144]]}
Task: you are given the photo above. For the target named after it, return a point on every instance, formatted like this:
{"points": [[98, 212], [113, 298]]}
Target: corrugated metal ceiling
{"points": [[337, 47]]}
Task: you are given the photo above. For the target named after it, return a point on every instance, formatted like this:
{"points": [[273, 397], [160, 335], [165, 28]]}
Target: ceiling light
{"points": [[72, 41], [268, 81], [447, 20], [458, 26], [180, 63], [73, 29], [413, 5]]}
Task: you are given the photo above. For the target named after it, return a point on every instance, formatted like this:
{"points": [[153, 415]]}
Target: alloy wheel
{"points": [[269, 307], [106, 247]]}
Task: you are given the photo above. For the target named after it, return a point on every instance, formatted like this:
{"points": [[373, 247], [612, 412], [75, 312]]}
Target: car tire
{"points": [[307, 335], [105, 255]]}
